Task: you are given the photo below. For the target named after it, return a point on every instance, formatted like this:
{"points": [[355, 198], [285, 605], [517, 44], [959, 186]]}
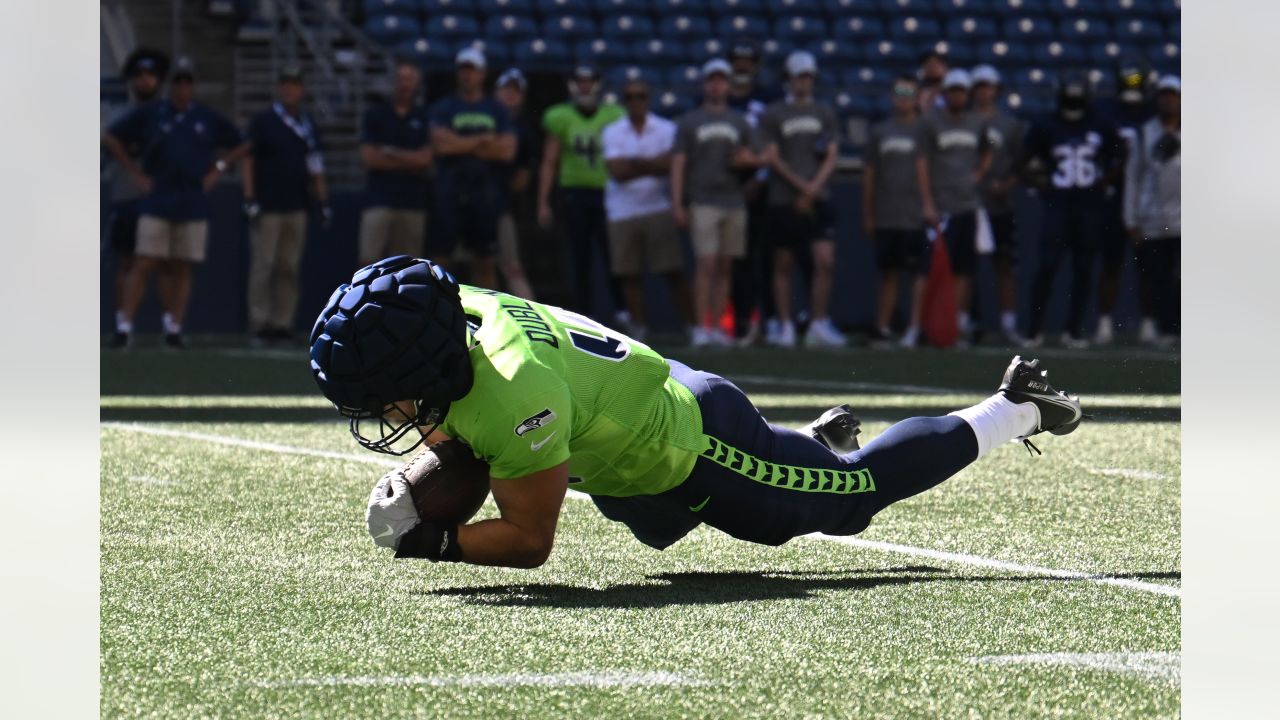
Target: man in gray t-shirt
{"points": [[713, 146], [1004, 138], [955, 158], [800, 137]]}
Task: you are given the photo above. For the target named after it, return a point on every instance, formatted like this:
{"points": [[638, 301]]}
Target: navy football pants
{"points": [[767, 484]]}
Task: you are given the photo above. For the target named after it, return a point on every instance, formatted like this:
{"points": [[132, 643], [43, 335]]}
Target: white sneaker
{"points": [[1072, 342], [700, 337], [1106, 331], [1147, 334], [752, 335], [1013, 337], [772, 330], [823, 334], [786, 335], [1032, 343], [910, 338], [720, 338], [622, 321]]}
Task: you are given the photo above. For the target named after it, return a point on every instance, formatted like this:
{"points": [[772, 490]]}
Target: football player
{"points": [[552, 400]]}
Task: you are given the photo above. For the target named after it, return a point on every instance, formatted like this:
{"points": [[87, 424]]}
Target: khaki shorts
{"points": [[508, 241], [171, 240], [650, 238], [388, 231], [718, 231]]}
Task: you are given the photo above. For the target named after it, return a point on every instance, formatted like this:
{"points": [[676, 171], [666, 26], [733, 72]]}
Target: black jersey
{"points": [[1076, 159]]}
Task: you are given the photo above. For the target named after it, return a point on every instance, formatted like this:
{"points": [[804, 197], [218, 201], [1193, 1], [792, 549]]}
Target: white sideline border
{"points": [[911, 550], [597, 679], [1153, 665]]}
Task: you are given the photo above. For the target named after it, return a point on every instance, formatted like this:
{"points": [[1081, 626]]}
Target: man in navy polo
{"points": [[281, 175], [396, 150], [473, 141], [180, 141]]}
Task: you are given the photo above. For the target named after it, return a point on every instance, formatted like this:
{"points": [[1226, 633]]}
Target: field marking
{"points": [[599, 679], [1129, 473], [844, 385], [1157, 665], [149, 480], [958, 558]]}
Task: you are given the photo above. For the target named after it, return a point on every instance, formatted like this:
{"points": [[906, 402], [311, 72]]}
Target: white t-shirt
{"points": [[642, 195]]}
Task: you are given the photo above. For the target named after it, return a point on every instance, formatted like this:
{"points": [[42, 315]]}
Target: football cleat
{"points": [[1025, 382], [836, 428]]}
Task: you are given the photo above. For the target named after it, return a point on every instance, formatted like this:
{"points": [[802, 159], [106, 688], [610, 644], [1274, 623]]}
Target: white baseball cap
{"points": [[716, 65], [801, 62], [1169, 82], [959, 77], [470, 56], [986, 74]]}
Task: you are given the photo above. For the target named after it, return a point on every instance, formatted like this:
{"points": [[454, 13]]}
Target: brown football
{"points": [[448, 482]]}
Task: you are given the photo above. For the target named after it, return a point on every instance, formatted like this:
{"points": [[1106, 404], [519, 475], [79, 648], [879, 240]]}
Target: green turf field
{"points": [[238, 580]]}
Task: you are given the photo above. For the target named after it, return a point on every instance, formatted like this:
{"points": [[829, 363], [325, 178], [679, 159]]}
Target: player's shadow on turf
{"points": [[714, 588]]}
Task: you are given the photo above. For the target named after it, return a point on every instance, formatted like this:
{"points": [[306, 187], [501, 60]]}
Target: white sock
{"points": [[997, 420], [1009, 320], [171, 327], [123, 325]]}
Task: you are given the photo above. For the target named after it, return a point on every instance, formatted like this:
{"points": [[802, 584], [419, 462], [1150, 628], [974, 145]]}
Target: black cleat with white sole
{"points": [[1025, 382], [836, 428]]}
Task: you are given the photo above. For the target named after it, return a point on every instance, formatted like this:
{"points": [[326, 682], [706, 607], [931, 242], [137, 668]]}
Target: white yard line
{"points": [[606, 678], [941, 555], [1157, 665], [1129, 473]]}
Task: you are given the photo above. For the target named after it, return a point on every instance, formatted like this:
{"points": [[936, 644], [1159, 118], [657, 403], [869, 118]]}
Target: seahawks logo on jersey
{"points": [[534, 422]]}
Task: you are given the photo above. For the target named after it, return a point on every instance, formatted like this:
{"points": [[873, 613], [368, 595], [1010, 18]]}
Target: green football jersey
{"points": [[552, 385], [582, 157]]}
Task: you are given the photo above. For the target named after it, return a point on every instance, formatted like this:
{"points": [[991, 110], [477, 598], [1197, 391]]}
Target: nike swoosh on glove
{"points": [[391, 512]]}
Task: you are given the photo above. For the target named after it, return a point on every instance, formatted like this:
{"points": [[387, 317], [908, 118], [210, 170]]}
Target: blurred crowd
{"points": [[745, 176]]}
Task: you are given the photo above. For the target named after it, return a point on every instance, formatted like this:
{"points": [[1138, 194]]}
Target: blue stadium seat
{"points": [[912, 28], [671, 104], [1165, 57], [490, 8], [972, 29], [403, 8], [1173, 30], [774, 52], [553, 8], [1005, 8], [973, 8], [509, 27], [607, 8], [618, 76], [568, 28], [393, 29], [704, 49], [869, 79], [958, 54], [833, 53], [906, 7], [738, 26], [1085, 30], [1058, 54], [783, 8], [1027, 28], [1103, 81], [1033, 78], [892, 54], [497, 53], [601, 53], [1106, 53], [431, 8], [1066, 10], [683, 78], [656, 52], [839, 9], [541, 55], [1003, 54], [428, 54], [1028, 107], [800, 29], [453, 27], [1120, 9], [737, 7], [626, 27], [662, 8], [1138, 30], [685, 28], [858, 27]]}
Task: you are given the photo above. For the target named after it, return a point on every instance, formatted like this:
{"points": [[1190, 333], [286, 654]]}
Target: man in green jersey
{"points": [[552, 400], [573, 150]]}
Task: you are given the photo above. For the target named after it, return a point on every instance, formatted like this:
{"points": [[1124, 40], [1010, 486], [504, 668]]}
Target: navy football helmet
{"points": [[396, 332]]}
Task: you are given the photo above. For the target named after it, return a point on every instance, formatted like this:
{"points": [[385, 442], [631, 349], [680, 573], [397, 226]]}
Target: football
{"points": [[448, 482]]}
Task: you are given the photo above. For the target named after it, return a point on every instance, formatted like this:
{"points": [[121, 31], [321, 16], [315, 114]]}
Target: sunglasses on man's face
{"points": [[635, 96]]}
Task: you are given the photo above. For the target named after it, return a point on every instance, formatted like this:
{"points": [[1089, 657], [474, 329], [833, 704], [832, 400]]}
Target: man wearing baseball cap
{"points": [[800, 136], [472, 138], [955, 155], [713, 144], [509, 90]]}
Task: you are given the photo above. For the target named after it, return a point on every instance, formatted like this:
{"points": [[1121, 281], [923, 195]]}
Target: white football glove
{"points": [[391, 512]]}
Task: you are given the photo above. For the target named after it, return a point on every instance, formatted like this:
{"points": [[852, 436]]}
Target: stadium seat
{"points": [[1173, 30], [619, 76], [1006, 8], [1058, 54], [912, 28], [662, 8], [973, 8], [1066, 10], [541, 55], [605, 9], [453, 27], [858, 27], [1028, 106], [739, 26], [601, 53], [497, 53], [568, 28], [800, 29], [958, 54], [972, 29], [378, 8], [1032, 79], [835, 54], [906, 7], [704, 49], [553, 8], [774, 52], [784, 8], [737, 7], [393, 30], [1027, 28], [489, 8], [1103, 81], [1165, 57], [1003, 54], [428, 54], [1084, 30], [431, 8], [656, 52], [1138, 30], [626, 27], [892, 54], [683, 78], [1121, 9], [869, 79], [671, 104], [1106, 53], [685, 28], [509, 28]]}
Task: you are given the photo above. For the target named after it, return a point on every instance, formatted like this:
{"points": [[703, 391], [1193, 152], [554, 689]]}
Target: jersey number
{"points": [[586, 146], [1075, 167], [593, 338]]}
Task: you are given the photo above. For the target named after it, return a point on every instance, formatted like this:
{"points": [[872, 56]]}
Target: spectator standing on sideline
{"points": [[713, 144], [179, 166], [892, 209], [396, 152], [955, 158], [1070, 154], [143, 68], [1153, 205], [933, 69], [571, 153], [510, 90], [1004, 137], [753, 273], [1128, 112], [284, 164], [800, 138], [473, 142], [637, 154]]}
